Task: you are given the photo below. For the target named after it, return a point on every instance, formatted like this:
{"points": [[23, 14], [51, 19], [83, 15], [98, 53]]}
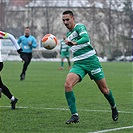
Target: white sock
{"points": [[13, 98], [76, 114]]}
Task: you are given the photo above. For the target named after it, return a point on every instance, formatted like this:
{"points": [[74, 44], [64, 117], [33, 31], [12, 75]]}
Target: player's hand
{"points": [[19, 50], [70, 43], [30, 43]]}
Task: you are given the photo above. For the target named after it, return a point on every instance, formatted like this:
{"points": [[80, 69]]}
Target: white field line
{"points": [[64, 109], [84, 110], [113, 129]]}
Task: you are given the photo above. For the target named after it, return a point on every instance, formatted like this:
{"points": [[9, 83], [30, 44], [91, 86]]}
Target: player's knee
{"points": [[68, 87], [105, 90]]}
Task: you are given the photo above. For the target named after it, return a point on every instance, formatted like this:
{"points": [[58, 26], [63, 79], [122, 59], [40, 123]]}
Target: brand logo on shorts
{"points": [[96, 71]]}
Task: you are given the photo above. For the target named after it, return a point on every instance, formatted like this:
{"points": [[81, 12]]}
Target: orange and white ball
{"points": [[49, 41]]}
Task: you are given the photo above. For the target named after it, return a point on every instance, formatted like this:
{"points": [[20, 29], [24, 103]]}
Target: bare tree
{"points": [[109, 26]]}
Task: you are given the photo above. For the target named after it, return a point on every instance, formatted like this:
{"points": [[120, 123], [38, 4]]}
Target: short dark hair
{"points": [[27, 27], [68, 12]]}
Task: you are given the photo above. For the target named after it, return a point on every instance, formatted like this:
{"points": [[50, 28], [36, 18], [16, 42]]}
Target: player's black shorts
{"points": [[26, 56]]}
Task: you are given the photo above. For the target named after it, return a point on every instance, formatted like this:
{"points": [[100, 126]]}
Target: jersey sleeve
{"points": [[34, 43], [14, 41], [5, 35], [19, 41], [84, 37]]}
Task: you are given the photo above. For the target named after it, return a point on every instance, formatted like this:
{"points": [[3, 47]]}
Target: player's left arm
{"points": [[12, 38], [84, 37], [34, 43]]}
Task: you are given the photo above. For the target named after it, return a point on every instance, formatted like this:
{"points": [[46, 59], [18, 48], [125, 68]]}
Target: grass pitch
{"points": [[42, 107]]}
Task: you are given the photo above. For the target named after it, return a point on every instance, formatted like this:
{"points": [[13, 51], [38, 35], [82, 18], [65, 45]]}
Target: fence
{"points": [[109, 26]]}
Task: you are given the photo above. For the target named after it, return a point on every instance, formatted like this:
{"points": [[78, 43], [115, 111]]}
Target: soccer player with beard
{"points": [[85, 62]]}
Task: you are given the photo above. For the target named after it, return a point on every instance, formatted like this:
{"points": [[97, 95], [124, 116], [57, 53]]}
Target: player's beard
{"points": [[67, 26]]}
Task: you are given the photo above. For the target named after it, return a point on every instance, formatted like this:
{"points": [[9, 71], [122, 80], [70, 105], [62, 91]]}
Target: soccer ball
{"points": [[49, 41]]}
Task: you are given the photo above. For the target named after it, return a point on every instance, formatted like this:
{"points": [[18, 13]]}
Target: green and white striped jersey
{"points": [[83, 49], [63, 46]]}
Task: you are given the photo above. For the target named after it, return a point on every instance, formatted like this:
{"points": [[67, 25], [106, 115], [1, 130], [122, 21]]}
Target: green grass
{"points": [[42, 100]]}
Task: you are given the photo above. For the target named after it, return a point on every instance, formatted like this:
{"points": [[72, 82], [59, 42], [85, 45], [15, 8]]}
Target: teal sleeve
{"points": [[34, 45], [84, 39], [19, 41]]}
